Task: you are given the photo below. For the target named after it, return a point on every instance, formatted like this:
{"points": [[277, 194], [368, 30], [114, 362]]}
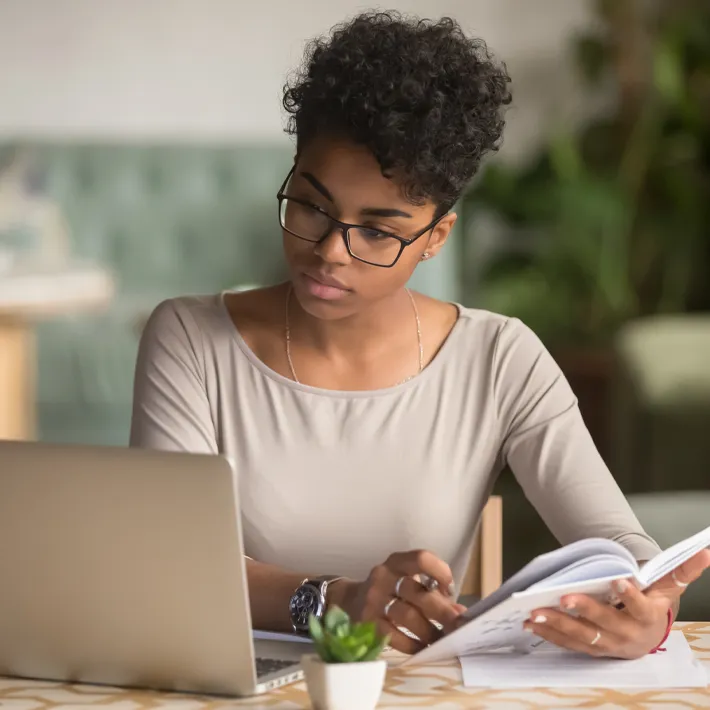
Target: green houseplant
{"points": [[611, 220], [346, 672], [618, 207]]}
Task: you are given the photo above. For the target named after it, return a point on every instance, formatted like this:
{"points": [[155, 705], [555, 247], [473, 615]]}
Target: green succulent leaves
{"points": [[338, 640]]}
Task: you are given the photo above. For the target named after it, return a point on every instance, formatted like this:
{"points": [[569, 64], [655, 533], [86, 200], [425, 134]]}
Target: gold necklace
{"points": [[419, 338]]}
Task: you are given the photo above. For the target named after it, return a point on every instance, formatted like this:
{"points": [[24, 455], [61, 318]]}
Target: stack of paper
{"points": [[551, 667]]}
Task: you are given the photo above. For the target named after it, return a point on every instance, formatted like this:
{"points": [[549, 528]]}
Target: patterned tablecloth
{"points": [[436, 686]]}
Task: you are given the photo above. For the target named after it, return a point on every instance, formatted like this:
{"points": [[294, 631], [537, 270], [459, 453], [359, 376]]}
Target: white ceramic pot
{"points": [[343, 686]]}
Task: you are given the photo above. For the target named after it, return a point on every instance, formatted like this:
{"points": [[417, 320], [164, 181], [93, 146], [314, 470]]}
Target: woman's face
{"points": [[344, 181]]}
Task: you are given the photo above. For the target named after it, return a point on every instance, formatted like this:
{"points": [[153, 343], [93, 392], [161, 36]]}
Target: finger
{"points": [[405, 616], [602, 616], [419, 562], [645, 608], [397, 640], [563, 624], [380, 602], [433, 606], [578, 643], [683, 575]]}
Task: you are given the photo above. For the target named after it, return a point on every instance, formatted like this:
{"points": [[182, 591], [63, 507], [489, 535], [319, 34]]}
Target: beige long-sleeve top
{"points": [[333, 482]]}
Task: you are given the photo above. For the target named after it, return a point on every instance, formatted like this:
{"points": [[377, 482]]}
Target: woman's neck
{"points": [[383, 323]]}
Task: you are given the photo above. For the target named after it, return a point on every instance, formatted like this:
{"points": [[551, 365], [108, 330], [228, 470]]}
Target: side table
{"points": [[27, 295]]}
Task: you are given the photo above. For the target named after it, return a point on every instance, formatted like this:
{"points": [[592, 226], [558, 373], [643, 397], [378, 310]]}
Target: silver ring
{"points": [[388, 606], [677, 582], [398, 586], [595, 640]]}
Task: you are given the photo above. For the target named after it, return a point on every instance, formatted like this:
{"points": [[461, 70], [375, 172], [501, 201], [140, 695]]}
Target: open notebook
{"points": [[585, 567]]}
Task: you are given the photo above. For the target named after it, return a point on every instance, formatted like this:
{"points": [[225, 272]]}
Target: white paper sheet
{"points": [[259, 635], [552, 667]]}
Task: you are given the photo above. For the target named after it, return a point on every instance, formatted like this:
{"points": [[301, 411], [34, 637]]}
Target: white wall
{"points": [[211, 69]]}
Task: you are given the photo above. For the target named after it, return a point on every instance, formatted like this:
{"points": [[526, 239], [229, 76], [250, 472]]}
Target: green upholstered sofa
{"points": [[167, 220], [661, 411]]}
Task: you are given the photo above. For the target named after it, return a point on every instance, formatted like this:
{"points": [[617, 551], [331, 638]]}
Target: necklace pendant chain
{"points": [[401, 382]]}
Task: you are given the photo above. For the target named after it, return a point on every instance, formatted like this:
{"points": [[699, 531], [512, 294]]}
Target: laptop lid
{"points": [[122, 566]]}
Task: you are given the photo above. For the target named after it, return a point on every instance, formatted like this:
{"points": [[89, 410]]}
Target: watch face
{"points": [[305, 601]]}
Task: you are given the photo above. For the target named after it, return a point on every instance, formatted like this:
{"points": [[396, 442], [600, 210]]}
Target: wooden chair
{"points": [[485, 570]]}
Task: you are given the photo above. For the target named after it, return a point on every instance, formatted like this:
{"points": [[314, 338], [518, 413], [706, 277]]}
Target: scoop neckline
{"points": [[287, 382]]}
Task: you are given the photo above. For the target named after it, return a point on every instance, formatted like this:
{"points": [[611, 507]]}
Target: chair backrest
{"points": [[485, 570]]}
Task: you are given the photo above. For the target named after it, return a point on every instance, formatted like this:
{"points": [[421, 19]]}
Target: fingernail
{"points": [[527, 629], [569, 605], [621, 586], [452, 589], [539, 619]]}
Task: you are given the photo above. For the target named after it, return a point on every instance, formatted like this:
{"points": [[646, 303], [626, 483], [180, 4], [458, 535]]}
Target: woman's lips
{"points": [[323, 291]]}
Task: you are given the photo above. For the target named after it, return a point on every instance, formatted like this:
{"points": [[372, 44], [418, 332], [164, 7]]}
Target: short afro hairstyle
{"points": [[426, 100]]}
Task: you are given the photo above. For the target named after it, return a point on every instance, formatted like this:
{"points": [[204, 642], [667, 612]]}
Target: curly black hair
{"points": [[426, 100]]}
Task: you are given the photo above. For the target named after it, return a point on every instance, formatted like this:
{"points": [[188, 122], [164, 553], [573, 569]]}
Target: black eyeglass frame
{"points": [[345, 227]]}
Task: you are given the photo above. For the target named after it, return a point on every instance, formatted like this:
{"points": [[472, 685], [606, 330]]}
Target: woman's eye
{"points": [[372, 233], [379, 231]]}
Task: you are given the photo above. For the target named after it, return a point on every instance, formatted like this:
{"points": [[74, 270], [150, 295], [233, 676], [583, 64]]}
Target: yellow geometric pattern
{"points": [[436, 686]]}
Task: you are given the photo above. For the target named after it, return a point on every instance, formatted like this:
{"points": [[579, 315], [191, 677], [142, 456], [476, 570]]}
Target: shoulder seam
{"points": [[181, 314], [506, 322]]}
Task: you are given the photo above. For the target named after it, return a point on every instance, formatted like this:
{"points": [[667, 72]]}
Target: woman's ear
{"points": [[438, 236]]}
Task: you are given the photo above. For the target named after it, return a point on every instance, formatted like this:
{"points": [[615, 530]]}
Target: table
{"points": [[27, 295], [434, 686]]}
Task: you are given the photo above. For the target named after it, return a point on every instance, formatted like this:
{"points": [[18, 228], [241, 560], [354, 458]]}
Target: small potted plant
{"points": [[346, 672]]}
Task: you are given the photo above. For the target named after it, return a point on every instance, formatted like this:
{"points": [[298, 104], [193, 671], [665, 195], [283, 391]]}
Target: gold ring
{"points": [[677, 582], [388, 606], [595, 640]]}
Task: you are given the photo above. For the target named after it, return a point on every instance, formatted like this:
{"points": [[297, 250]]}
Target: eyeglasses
{"points": [[371, 246]]}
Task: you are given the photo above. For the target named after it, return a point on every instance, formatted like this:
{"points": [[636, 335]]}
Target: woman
{"points": [[368, 423]]}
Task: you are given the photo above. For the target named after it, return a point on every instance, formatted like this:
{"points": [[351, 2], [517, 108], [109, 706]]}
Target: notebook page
{"points": [[502, 626], [545, 565], [597, 567], [552, 667]]}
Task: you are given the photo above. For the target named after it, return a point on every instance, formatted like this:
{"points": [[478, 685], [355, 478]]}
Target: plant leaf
{"points": [[374, 653], [336, 618], [315, 629], [339, 641]]}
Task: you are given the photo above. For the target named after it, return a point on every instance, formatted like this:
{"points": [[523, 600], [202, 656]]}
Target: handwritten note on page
{"points": [[552, 667]]}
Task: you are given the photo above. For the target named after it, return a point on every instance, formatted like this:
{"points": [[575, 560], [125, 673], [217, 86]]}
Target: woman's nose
{"points": [[333, 248]]}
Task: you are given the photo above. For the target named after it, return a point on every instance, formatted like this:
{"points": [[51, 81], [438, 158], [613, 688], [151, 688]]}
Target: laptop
{"points": [[125, 567]]}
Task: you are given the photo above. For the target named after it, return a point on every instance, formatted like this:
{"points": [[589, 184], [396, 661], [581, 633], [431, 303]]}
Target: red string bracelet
{"points": [[666, 635]]}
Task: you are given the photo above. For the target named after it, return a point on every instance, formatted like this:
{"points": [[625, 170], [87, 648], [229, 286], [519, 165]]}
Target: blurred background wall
{"points": [[157, 127], [213, 69], [141, 147]]}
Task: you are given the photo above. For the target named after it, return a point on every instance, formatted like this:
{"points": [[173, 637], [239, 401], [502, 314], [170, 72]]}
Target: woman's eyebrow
{"points": [[369, 211], [319, 186], [384, 212]]}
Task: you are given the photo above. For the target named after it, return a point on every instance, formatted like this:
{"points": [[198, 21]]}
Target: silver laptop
{"points": [[125, 567]]}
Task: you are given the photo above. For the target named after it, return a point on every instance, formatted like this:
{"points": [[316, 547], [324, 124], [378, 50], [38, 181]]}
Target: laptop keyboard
{"points": [[264, 666]]}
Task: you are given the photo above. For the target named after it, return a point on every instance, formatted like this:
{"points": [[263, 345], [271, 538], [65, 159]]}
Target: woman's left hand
{"points": [[603, 630]]}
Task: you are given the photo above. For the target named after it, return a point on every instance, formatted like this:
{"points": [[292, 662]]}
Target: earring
{"points": [[426, 255]]}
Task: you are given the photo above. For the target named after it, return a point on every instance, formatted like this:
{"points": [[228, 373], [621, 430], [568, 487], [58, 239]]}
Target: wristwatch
{"points": [[309, 598]]}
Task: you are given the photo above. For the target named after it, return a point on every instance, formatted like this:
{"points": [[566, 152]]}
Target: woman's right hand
{"points": [[393, 597]]}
